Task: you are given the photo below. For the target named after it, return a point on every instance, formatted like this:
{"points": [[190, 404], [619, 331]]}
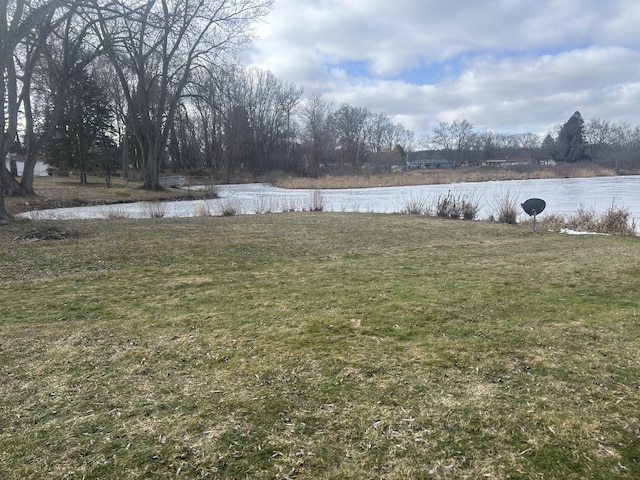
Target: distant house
{"points": [[547, 161], [505, 162], [429, 160]]}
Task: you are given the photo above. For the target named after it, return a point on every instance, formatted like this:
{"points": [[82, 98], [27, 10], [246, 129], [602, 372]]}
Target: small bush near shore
{"points": [[616, 220], [505, 210], [450, 206], [316, 203], [446, 206], [155, 209], [415, 205], [263, 204], [115, 213], [228, 209], [289, 205], [202, 210]]}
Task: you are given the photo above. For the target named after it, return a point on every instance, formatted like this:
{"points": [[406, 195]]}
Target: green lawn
{"points": [[317, 345]]}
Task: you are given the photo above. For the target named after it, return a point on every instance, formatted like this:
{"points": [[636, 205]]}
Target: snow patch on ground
{"points": [[575, 232]]}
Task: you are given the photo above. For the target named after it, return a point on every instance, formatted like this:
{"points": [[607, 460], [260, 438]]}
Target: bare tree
{"points": [[18, 19], [236, 136], [353, 130], [270, 103], [617, 145], [599, 135], [453, 139], [316, 135], [156, 46], [403, 138], [381, 138], [206, 100], [529, 142]]}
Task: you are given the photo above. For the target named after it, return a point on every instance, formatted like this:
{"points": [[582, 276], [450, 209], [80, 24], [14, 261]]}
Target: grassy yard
{"points": [[316, 345]]}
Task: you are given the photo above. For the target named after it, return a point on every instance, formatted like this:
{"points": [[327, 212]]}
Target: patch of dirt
{"points": [[49, 232]]}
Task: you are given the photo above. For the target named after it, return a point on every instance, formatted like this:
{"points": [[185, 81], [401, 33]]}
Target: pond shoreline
{"points": [[69, 194], [564, 197]]}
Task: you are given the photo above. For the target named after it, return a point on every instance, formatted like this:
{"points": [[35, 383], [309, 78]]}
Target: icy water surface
{"points": [[562, 196]]}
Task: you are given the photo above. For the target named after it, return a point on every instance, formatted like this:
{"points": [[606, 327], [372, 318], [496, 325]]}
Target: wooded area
{"points": [[139, 87]]}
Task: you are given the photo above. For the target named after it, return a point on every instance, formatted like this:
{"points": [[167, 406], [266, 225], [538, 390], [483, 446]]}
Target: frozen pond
{"points": [[563, 196], [40, 170]]}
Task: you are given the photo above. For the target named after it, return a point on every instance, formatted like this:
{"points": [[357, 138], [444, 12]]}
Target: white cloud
{"points": [[503, 65]]}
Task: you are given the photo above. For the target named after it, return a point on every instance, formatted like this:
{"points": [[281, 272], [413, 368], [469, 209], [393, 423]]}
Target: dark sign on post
{"points": [[533, 207]]}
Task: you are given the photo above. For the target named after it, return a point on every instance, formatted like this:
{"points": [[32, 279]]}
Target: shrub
{"points": [[554, 222], [263, 204], [583, 221], [449, 206], [317, 202], [505, 210], [155, 209], [212, 190], [115, 213], [289, 205], [227, 209], [469, 209], [616, 220], [446, 206], [202, 210], [415, 205]]}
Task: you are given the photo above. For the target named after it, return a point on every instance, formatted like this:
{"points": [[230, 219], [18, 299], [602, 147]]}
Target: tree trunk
{"points": [[27, 173], [4, 216], [150, 172], [9, 184], [5, 178], [13, 166], [125, 157]]}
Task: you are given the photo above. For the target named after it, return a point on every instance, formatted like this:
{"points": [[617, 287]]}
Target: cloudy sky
{"points": [[504, 65]]}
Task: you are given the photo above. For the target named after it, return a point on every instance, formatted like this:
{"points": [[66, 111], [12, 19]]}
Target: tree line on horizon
{"points": [[610, 144], [109, 85]]}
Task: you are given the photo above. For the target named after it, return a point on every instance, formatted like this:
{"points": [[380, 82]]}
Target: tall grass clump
{"points": [[583, 221], [616, 220], [154, 209], [211, 188], [289, 205], [202, 210], [469, 208], [445, 206], [415, 204], [263, 204], [228, 209], [450, 206], [316, 202], [505, 210], [115, 213], [553, 222]]}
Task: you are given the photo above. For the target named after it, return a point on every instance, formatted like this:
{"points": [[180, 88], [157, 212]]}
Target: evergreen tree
{"points": [[81, 137], [572, 146]]}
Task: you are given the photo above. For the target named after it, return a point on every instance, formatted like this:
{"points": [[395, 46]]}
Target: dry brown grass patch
{"points": [[437, 176]]}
